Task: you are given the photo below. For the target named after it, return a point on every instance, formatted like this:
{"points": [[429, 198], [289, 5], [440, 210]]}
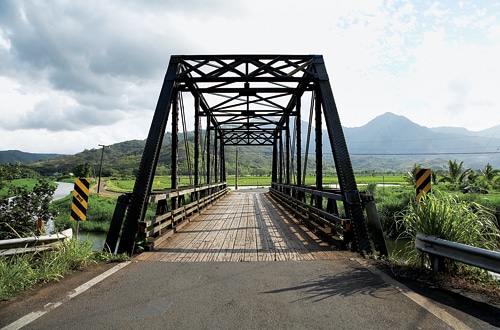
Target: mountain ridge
{"points": [[395, 135], [387, 136], [18, 156]]}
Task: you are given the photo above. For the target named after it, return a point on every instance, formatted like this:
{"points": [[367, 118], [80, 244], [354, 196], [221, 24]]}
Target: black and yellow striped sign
{"points": [[80, 199], [423, 182]]}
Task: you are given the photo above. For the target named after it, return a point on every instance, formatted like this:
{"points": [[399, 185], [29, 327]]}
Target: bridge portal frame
{"points": [[249, 100]]}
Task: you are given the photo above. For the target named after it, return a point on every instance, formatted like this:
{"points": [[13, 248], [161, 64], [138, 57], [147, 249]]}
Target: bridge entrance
{"points": [[247, 100]]}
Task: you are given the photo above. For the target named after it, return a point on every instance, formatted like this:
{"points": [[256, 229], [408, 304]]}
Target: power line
{"points": [[423, 154]]}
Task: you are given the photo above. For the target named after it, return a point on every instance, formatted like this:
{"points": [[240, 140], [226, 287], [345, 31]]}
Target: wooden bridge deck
{"points": [[243, 226]]}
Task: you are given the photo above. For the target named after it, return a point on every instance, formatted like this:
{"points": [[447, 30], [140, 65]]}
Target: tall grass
{"points": [[447, 217], [22, 271], [389, 206]]}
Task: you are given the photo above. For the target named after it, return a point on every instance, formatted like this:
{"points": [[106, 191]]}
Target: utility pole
{"points": [[100, 167]]}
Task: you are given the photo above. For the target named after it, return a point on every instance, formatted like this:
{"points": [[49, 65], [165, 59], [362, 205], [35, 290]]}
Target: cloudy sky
{"points": [[75, 74]]}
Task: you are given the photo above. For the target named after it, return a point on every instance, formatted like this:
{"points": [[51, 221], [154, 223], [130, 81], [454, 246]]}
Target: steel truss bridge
{"points": [[248, 100]]}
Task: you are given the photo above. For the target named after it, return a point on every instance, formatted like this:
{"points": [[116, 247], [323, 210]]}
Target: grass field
{"points": [[162, 182], [29, 183]]}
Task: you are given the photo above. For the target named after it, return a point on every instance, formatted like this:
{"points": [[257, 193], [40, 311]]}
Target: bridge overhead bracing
{"points": [[251, 100]]}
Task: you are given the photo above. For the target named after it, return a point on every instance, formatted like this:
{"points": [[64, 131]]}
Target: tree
{"points": [[456, 172], [83, 170], [411, 177], [489, 173], [19, 214]]}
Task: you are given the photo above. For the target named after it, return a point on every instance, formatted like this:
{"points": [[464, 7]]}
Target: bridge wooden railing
{"points": [[319, 210], [175, 206], [328, 224]]}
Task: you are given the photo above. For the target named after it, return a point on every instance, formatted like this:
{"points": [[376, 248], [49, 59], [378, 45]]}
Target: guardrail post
{"points": [[437, 263]]}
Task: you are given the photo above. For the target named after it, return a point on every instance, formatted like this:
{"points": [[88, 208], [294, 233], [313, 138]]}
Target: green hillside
{"points": [[123, 159], [17, 156]]}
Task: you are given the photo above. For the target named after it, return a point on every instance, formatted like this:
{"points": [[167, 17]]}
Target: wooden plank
{"points": [[227, 246], [238, 253], [289, 230], [197, 237], [250, 245], [208, 246], [225, 225]]}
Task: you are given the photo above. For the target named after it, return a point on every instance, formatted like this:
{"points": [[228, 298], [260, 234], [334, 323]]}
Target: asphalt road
{"points": [[326, 294]]}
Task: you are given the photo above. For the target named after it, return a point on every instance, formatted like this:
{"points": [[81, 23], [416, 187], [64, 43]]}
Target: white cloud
{"points": [[73, 75]]}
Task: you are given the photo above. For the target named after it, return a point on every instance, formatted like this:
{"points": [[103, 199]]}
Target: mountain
{"points": [[388, 143], [17, 156], [493, 132], [395, 136]]}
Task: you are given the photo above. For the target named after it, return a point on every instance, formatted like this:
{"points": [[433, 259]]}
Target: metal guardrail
{"points": [[33, 243], [440, 249]]}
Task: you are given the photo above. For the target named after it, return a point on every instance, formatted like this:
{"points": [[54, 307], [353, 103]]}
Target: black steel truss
{"points": [[246, 96], [247, 100]]}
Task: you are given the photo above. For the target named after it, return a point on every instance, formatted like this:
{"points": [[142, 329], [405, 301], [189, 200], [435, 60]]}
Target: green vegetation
{"points": [[99, 213], [448, 217], [23, 271], [457, 218], [20, 212]]}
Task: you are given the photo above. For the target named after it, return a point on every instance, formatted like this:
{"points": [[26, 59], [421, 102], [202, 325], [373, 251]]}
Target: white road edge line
{"points": [[27, 319], [427, 304]]}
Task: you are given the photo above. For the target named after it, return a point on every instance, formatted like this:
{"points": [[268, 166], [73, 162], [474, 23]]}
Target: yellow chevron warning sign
{"points": [[80, 200], [423, 182]]}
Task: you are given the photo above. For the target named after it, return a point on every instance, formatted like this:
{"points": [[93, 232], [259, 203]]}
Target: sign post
{"points": [[80, 201], [423, 182]]}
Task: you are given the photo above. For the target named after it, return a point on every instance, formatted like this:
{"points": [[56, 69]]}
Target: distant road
{"points": [[103, 190], [65, 188]]}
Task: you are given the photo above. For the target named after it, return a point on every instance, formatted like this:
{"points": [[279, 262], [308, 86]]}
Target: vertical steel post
{"points": [[216, 158], [319, 149], [174, 153], [196, 140], [287, 152], [222, 161], [113, 234], [299, 143], [209, 133], [236, 171], [281, 156], [274, 170], [175, 149]]}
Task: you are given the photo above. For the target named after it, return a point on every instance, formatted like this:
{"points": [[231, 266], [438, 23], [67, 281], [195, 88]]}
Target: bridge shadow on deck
{"points": [[353, 281]]}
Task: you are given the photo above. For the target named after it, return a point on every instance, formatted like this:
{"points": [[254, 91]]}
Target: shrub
{"points": [[446, 217]]}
